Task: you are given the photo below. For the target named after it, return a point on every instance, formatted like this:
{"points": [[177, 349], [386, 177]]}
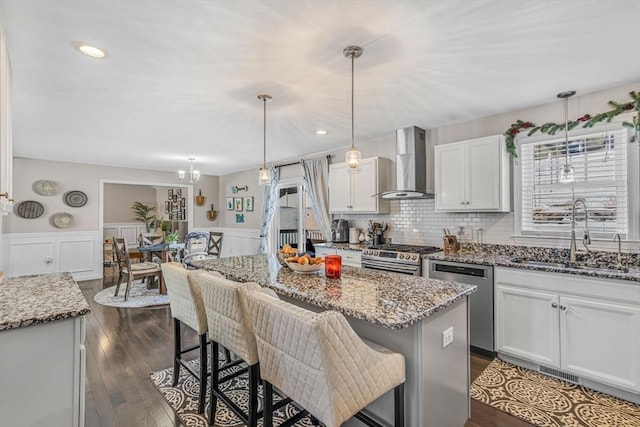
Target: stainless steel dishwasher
{"points": [[480, 302]]}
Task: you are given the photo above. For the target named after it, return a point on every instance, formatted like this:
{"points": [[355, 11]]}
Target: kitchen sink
{"points": [[569, 266]]}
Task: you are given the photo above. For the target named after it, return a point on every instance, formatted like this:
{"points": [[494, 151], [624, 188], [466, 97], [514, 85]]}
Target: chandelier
{"points": [[194, 175]]}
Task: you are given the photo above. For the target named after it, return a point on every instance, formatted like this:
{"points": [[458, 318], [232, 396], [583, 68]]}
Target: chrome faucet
{"points": [[617, 236], [586, 240]]}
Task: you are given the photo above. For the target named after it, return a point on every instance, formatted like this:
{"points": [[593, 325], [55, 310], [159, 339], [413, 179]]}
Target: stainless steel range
{"points": [[405, 259]]}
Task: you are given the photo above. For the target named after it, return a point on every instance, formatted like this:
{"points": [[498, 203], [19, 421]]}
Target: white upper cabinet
{"points": [[351, 193], [6, 150], [472, 175]]}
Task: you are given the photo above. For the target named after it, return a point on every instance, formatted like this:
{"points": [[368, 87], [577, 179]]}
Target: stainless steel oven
{"points": [[405, 259]]}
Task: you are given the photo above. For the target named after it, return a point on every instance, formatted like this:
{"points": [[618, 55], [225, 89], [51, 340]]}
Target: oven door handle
{"points": [[393, 267]]}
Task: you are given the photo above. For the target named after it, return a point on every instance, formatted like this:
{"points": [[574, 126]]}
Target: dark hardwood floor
{"points": [[125, 345]]}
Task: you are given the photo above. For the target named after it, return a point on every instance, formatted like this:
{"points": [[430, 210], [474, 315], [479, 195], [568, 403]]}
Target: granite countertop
{"points": [[30, 300], [596, 264], [393, 300]]}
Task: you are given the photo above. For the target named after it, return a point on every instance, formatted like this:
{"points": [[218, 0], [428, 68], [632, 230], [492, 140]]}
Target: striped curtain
{"points": [[316, 175], [270, 198]]}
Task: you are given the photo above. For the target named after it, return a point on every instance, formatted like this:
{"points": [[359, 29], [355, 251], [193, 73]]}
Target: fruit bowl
{"points": [[284, 256], [305, 268]]}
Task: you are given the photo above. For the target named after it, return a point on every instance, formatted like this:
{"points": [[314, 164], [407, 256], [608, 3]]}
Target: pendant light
{"points": [[264, 177], [353, 156], [567, 174], [194, 175]]}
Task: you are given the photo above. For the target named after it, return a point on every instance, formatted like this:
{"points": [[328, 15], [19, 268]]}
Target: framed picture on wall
{"points": [[179, 192], [237, 202], [183, 212], [229, 203], [182, 202], [248, 203], [175, 198], [167, 207], [171, 194]]}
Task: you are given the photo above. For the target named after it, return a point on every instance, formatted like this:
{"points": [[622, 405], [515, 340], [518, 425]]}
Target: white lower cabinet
{"points": [[352, 258], [583, 326], [42, 374], [527, 324]]}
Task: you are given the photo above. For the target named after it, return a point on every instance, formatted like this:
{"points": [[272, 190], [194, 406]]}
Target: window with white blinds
{"points": [[600, 164]]}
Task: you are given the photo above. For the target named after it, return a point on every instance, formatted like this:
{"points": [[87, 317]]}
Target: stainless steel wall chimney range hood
{"points": [[414, 166]]}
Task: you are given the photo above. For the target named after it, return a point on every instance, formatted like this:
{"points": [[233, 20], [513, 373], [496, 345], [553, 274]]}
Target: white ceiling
{"points": [[182, 77]]}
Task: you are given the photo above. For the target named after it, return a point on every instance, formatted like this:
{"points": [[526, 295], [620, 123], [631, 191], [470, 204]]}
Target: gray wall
{"points": [[86, 178], [249, 178], [119, 198]]}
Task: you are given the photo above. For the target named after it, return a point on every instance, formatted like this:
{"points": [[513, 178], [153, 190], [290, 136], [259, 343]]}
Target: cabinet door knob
{"points": [[563, 307], [462, 203], [554, 305]]}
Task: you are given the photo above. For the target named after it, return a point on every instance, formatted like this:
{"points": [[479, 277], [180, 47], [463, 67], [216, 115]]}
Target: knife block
{"points": [[451, 245]]}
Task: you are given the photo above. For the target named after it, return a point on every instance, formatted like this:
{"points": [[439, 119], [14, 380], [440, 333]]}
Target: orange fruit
{"points": [[303, 260]]}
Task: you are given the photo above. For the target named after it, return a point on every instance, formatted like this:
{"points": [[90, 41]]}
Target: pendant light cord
{"points": [[566, 130], [264, 133], [353, 145]]}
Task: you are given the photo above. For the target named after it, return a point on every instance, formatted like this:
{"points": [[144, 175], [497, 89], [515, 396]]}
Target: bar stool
{"points": [[230, 326], [318, 361], [187, 308]]}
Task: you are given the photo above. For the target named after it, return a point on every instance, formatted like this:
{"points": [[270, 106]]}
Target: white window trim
{"points": [[633, 180]]}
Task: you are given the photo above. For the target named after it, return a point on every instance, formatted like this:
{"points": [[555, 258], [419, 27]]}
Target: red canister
{"points": [[332, 266]]}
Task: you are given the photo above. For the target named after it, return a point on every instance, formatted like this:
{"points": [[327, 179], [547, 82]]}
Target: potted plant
{"points": [[173, 237], [144, 213]]}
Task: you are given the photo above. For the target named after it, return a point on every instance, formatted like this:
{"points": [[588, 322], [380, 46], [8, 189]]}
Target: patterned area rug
{"points": [[545, 401], [184, 399], [139, 296]]}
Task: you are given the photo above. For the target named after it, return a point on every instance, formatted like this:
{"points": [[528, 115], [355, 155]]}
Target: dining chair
{"points": [[215, 243], [195, 246], [132, 271], [147, 239], [318, 361]]}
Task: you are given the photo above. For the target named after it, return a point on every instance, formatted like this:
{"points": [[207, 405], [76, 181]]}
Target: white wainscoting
{"points": [[238, 241], [128, 230], [35, 253]]}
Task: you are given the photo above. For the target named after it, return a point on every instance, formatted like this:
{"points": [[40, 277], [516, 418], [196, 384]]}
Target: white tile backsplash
{"points": [[416, 222]]}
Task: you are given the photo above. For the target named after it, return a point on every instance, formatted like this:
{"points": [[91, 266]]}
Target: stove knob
{"points": [[403, 256], [414, 257]]}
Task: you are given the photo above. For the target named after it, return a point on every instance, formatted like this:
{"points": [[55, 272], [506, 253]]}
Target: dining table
{"points": [[164, 251]]}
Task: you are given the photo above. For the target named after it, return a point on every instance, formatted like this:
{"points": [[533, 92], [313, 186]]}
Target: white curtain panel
{"points": [[316, 175], [270, 197]]}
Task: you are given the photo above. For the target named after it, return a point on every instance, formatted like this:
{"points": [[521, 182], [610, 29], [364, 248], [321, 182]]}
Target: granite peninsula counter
{"points": [[407, 314], [42, 351]]}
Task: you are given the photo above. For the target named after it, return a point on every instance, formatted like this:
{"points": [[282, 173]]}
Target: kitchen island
{"points": [[407, 314], [42, 354]]}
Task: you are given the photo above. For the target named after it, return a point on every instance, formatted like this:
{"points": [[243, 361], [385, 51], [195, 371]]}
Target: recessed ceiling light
{"points": [[89, 50], [321, 132]]}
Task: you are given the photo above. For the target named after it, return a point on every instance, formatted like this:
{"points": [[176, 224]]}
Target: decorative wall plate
{"points": [[45, 187], [75, 199], [62, 219], [29, 209]]}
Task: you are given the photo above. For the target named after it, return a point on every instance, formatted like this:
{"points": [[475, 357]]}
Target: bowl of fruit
{"points": [[286, 252], [305, 264]]}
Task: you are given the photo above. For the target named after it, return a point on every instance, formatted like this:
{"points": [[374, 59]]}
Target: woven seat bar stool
{"points": [[187, 308], [318, 361], [230, 325]]}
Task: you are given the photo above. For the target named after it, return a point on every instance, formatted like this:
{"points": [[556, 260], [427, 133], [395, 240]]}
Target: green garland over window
{"points": [[587, 121]]}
